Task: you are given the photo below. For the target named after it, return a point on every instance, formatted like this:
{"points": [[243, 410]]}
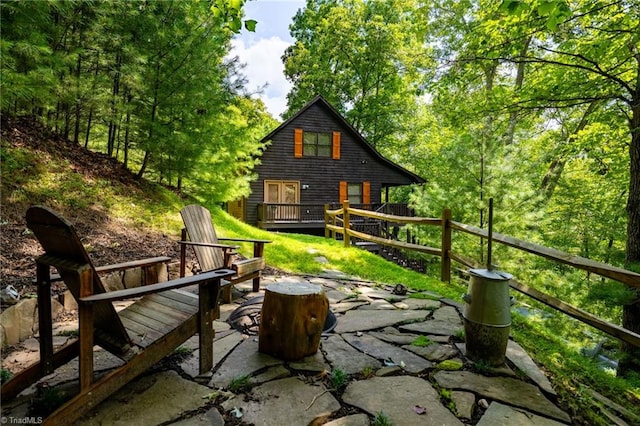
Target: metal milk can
{"points": [[487, 316]]}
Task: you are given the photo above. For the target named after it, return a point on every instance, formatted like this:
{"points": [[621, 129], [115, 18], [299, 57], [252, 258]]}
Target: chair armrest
{"points": [[133, 264], [121, 266], [195, 243], [129, 293], [245, 240]]}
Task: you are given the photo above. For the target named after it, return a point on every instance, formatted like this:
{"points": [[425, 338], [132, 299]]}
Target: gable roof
{"points": [[357, 136]]}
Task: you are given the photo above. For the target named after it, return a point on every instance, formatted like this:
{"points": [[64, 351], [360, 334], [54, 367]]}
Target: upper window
{"points": [[317, 144]]}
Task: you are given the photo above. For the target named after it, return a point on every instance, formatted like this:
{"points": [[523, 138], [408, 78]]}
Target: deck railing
{"points": [[339, 221], [273, 213]]}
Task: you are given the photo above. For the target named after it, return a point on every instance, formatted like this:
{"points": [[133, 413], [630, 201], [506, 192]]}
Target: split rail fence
{"points": [[338, 221]]}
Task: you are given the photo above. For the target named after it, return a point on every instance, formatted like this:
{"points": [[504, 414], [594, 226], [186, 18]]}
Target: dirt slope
{"points": [[111, 240]]}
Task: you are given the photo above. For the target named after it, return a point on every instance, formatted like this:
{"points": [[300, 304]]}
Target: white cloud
{"points": [[264, 66]]}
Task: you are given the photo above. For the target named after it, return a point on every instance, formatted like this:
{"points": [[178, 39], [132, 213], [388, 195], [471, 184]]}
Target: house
{"points": [[316, 158]]}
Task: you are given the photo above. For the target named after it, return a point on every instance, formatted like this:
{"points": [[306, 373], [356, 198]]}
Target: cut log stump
{"points": [[292, 320]]}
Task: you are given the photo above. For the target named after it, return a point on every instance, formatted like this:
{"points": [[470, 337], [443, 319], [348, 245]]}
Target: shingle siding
{"points": [[358, 163]]}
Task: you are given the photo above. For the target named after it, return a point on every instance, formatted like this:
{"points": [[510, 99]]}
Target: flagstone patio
{"points": [[367, 369]]}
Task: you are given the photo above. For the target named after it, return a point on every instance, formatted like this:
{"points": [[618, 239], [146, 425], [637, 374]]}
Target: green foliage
{"points": [[69, 333], [367, 58], [445, 398], [47, 400], [482, 367], [368, 372], [5, 375], [338, 379], [161, 98], [239, 384], [422, 341], [382, 419]]}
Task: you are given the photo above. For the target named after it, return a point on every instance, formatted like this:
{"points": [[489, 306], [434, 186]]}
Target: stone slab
{"points": [[209, 418], [502, 389], [502, 415], [347, 358], [335, 296], [341, 307], [138, 402], [393, 335], [408, 361], [435, 326], [523, 361], [287, 402], [396, 398], [433, 352], [465, 403], [244, 360], [447, 313], [313, 363], [411, 303], [221, 349], [352, 420], [378, 304], [375, 293], [359, 320], [272, 373]]}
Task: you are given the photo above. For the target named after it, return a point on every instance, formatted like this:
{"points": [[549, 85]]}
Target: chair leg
{"points": [[208, 299], [226, 293], [256, 284]]}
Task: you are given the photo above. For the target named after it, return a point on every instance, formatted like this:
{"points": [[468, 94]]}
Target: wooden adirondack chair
{"points": [[200, 234], [162, 318]]}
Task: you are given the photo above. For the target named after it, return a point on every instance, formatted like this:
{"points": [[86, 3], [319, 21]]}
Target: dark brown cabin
{"points": [[317, 158]]}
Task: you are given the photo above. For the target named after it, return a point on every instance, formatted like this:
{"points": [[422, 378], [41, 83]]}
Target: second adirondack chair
{"points": [[200, 234]]}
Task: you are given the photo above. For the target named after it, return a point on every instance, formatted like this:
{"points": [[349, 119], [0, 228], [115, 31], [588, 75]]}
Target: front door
{"points": [[281, 193]]}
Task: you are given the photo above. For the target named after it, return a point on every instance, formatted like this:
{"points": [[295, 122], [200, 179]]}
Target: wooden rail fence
{"points": [[338, 222]]}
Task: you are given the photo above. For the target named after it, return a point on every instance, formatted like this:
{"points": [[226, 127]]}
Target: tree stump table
{"points": [[292, 320]]}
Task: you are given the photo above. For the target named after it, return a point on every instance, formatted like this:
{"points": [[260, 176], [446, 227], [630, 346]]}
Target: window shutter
{"points": [[336, 145], [297, 143], [343, 191], [366, 192]]}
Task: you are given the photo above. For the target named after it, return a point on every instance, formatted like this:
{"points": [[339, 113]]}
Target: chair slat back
{"points": [[199, 225], [60, 241]]}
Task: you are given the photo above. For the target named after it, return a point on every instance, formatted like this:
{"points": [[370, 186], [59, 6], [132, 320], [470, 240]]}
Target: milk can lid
{"points": [[491, 274]]}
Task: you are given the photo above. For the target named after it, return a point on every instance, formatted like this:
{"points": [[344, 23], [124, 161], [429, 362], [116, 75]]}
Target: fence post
{"points": [[445, 261], [327, 233], [345, 223]]}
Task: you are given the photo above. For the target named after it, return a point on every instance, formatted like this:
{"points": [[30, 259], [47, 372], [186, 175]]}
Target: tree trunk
{"points": [[513, 117], [115, 91], [77, 109], [552, 177], [86, 137], [630, 361]]}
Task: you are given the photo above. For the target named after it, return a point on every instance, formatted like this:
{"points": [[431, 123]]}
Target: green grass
{"points": [[239, 384]]}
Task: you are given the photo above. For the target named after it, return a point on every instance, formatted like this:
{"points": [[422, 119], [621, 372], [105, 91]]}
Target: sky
{"points": [[261, 51]]}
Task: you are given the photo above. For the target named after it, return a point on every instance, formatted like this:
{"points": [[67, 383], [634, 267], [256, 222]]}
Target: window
{"points": [[354, 193], [317, 144]]}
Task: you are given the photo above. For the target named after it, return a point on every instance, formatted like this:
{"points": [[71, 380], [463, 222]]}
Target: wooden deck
{"points": [[311, 216]]}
